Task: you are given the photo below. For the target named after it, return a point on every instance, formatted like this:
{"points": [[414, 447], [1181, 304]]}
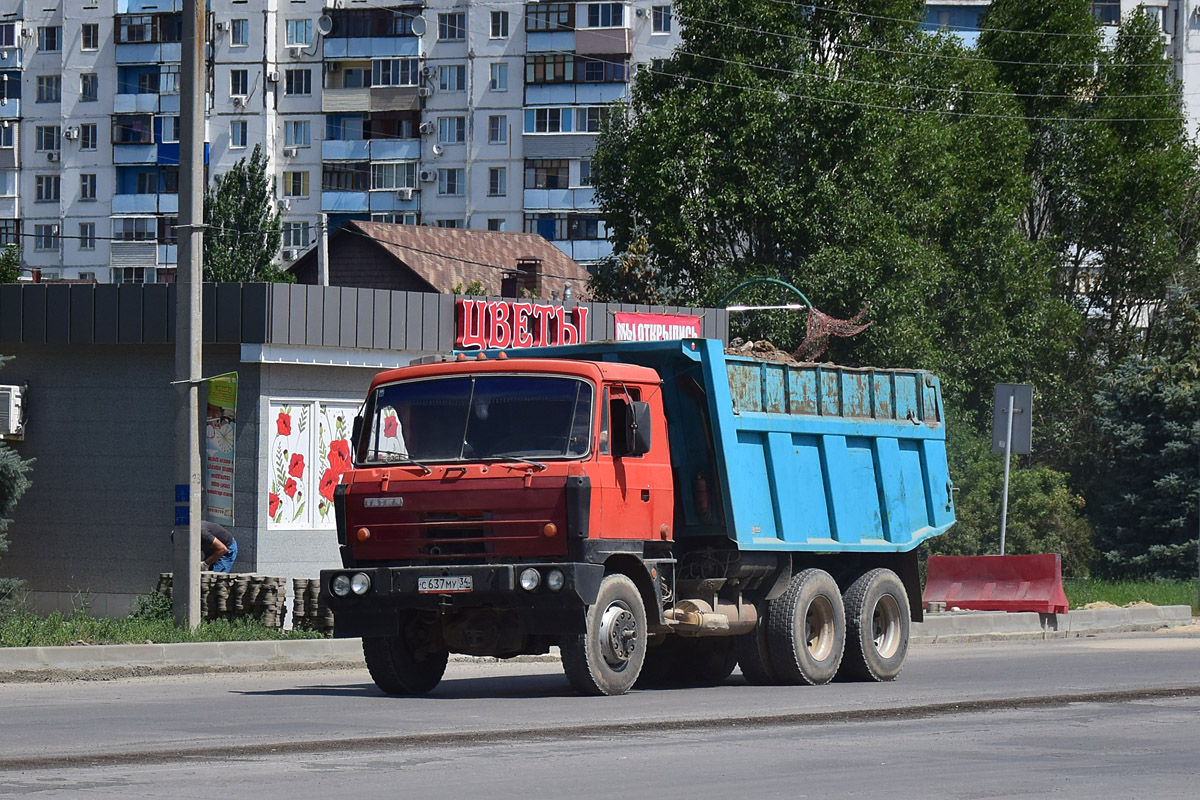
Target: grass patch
{"points": [[1081, 591], [151, 622]]}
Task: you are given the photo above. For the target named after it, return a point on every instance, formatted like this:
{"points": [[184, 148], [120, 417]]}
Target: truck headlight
{"points": [[360, 583], [530, 579], [555, 580], [340, 585]]}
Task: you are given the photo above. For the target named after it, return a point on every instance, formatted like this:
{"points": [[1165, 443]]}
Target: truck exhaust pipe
{"points": [[698, 618]]}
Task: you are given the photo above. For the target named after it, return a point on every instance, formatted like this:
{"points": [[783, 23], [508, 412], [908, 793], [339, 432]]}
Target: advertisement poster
{"points": [[219, 438], [643, 327], [310, 449]]}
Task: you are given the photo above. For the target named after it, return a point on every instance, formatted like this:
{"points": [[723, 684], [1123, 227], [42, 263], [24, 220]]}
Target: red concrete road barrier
{"points": [[997, 583]]}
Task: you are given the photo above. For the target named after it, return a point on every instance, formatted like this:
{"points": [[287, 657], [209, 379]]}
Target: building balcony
{"points": [[548, 41], [168, 204], [602, 40], [390, 200], [395, 149], [139, 103], [10, 109], [381, 98], [560, 199], [345, 150], [345, 202], [168, 255], [142, 53], [135, 153], [584, 250], [11, 58], [8, 208], [133, 254], [371, 47], [135, 204]]}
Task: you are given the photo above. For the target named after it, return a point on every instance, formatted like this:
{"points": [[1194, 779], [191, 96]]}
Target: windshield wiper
{"points": [[509, 457], [392, 457]]}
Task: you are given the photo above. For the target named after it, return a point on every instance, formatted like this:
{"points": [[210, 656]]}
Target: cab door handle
{"points": [[645, 495]]}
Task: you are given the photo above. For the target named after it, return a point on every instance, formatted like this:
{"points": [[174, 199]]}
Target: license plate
{"points": [[444, 584]]}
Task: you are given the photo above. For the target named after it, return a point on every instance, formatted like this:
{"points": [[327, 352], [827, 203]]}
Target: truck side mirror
{"points": [[637, 431], [356, 433]]}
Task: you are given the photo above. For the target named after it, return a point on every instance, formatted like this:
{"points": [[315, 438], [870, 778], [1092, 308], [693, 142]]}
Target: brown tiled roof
{"points": [[455, 257]]}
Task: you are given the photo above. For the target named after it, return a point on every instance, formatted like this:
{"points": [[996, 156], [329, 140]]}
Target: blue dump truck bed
{"points": [[796, 457]]}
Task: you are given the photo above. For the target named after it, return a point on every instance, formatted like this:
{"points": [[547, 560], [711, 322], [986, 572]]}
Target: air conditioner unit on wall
{"points": [[429, 72], [425, 91], [53, 156], [428, 175], [427, 128], [289, 255], [290, 152], [285, 204], [404, 193], [238, 102], [71, 133], [222, 25], [273, 76], [12, 412]]}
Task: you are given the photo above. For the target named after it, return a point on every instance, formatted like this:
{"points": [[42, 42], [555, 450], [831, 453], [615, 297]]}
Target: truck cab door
{"points": [[635, 490]]}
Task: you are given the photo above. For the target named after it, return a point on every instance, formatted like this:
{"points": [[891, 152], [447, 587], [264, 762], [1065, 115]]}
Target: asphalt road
{"points": [[1087, 718]]}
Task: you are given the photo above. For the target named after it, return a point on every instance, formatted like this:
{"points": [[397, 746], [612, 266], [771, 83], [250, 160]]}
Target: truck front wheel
{"points": [[608, 658], [806, 629], [412, 662], [877, 627]]}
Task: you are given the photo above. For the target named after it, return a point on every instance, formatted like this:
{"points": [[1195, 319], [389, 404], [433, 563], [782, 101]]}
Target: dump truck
{"points": [[660, 512]]}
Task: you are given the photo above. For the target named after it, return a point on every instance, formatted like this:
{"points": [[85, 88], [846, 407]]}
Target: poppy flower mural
{"points": [[310, 450]]}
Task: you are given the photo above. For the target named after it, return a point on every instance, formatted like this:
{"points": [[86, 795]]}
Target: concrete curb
{"points": [[959, 627]]}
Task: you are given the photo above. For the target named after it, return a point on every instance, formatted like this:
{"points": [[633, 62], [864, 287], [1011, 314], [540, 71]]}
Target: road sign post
{"points": [[1012, 432]]}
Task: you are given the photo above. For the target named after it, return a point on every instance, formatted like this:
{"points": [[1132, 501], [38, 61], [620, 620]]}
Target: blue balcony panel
{"points": [[135, 204], [544, 41], [395, 149], [141, 53], [168, 104], [168, 204], [168, 154], [143, 103], [172, 52], [11, 58], [550, 94], [168, 255], [583, 250], [377, 47], [345, 202], [10, 109], [597, 93], [542, 199], [135, 154], [389, 200], [344, 150]]}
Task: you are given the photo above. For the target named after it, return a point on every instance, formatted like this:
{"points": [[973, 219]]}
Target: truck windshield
{"points": [[478, 418]]}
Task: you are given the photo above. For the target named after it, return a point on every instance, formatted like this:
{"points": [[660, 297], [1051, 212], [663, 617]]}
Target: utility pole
{"points": [[188, 328], [322, 249]]}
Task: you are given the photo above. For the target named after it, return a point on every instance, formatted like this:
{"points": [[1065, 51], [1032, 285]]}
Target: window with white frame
{"points": [[237, 134], [605, 15], [497, 129], [585, 172], [170, 129], [7, 135], [47, 188], [310, 449], [239, 33], [89, 136], [452, 130], [660, 19], [48, 138], [452, 27], [497, 181], [89, 36], [135, 229], [298, 32], [50, 41], [132, 274], [450, 223], [49, 88], [394, 175], [297, 82], [450, 181], [9, 182], [499, 77], [499, 29], [296, 235], [295, 183], [590, 119], [239, 83], [395, 72], [452, 77], [45, 236], [168, 79], [87, 236], [496, 224], [547, 120], [395, 217], [297, 133], [8, 34], [89, 87], [87, 186]]}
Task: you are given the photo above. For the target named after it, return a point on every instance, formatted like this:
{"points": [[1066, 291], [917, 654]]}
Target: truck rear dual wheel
{"points": [[878, 620], [753, 657], [608, 658], [806, 629], [412, 662]]}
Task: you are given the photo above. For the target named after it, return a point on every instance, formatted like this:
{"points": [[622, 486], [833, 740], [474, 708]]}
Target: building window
{"points": [[49, 88], [499, 25], [450, 181], [297, 133], [147, 183], [132, 29], [452, 78], [497, 181], [90, 36], [133, 129], [239, 83], [585, 172], [8, 38], [297, 81], [45, 237], [452, 130], [132, 274], [298, 32], [170, 129], [395, 72], [602, 70], [87, 186], [89, 136], [89, 87], [547, 173], [296, 235], [134, 229], [557, 68], [660, 19], [583, 226], [452, 27], [590, 118], [499, 78], [1107, 12], [547, 120], [605, 15], [398, 175], [295, 184], [497, 129], [336, 177], [450, 223], [391, 217], [9, 232], [147, 83], [7, 138], [549, 17], [9, 182], [168, 76], [87, 238], [495, 224], [239, 33], [237, 134], [50, 41], [48, 187], [48, 138]]}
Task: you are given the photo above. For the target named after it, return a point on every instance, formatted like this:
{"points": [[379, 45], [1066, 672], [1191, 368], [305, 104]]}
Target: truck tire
{"points": [[752, 654], [608, 658], [683, 661], [877, 627], [410, 663], [806, 631]]}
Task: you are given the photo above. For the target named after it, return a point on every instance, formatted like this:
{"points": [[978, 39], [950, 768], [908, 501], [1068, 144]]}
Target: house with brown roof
{"points": [[380, 255]]}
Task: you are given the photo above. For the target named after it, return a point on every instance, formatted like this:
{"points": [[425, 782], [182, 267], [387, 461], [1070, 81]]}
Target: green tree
{"points": [[10, 264], [14, 480], [242, 230], [627, 278], [867, 162]]}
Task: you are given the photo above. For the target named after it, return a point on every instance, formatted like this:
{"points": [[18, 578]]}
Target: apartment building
{"points": [[449, 113]]}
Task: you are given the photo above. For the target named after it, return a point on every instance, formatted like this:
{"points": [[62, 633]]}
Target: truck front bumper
{"points": [[376, 612]]}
